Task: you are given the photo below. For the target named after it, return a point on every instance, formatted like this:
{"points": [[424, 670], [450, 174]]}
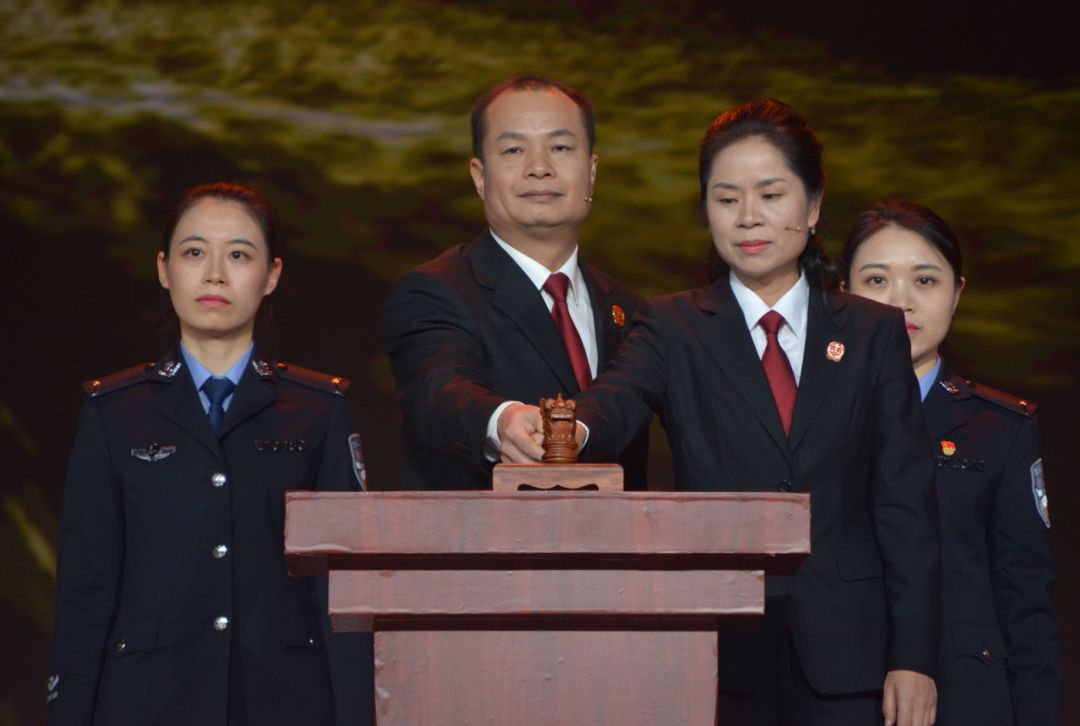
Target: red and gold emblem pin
{"points": [[618, 316], [835, 351], [948, 448]]}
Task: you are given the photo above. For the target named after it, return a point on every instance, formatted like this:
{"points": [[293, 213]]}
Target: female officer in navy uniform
{"points": [[1000, 649], [173, 604]]}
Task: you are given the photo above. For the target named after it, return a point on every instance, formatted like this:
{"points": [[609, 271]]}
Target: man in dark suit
{"points": [[514, 316]]}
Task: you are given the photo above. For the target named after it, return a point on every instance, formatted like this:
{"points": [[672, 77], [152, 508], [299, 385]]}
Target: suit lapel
{"points": [[941, 416], [513, 293], [727, 340], [180, 402], [818, 371], [607, 333], [253, 394]]}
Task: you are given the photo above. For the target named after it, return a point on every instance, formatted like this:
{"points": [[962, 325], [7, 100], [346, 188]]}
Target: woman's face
{"points": [[898, 267], [218, 270], [759, 215]]}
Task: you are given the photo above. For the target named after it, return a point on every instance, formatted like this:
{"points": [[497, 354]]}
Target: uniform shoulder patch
{"points": [[313, 379], [1006, 400], [1038, 490], [117, 381]]}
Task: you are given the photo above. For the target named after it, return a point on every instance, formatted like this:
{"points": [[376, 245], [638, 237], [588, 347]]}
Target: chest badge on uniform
{"points": [[948, 448], [618, 316], [280, 444], [834, 351], [1038, 489], [154, 452]]}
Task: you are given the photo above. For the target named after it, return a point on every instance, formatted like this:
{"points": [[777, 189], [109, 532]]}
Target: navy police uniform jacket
{"points": [[1000, 646], [173, 605]]}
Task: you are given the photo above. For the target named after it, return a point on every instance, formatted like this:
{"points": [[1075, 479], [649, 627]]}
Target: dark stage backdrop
{"points": [[354, 120]]}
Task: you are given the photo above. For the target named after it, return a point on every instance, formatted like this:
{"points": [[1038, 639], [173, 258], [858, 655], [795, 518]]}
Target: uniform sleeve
{"points": [[350, 655], [89, 562], [342, 467], [1023, 573], [905, 510], [439, 366], [619, 404]]}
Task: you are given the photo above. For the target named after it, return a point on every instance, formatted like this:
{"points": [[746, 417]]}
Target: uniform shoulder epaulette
{"points": [[314, 379], [1006, 400], [98, 386]]}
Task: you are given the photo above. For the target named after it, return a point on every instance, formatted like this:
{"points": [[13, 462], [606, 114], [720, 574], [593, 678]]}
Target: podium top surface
{"points": [[538, 530]]}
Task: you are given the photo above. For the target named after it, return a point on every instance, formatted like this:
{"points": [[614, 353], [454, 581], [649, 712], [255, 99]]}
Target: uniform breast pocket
{"points": [[983, 643]]}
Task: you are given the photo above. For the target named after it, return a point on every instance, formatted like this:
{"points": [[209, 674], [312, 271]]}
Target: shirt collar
{"points": [[926, 382], [793, 305], [199, 372], [537, 272]]}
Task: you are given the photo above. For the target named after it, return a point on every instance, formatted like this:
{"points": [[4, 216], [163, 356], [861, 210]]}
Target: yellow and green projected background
{"points": [[353, 118]]}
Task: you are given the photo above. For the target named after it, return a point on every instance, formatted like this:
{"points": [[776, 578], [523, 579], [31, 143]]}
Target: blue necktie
{"points": [[217, 390]]}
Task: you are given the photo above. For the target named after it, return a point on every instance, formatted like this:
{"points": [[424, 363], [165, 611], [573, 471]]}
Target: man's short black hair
{"points": [[528, 82]]}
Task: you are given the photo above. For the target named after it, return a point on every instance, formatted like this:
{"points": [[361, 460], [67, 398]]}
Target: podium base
{"points": [[544, 677]]}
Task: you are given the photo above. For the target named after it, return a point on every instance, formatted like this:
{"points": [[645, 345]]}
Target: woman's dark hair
{"points": [[786, 129], [913, 217], [262, 213]]}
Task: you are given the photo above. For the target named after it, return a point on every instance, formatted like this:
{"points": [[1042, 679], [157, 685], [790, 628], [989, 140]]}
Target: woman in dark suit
{"points": [[173, 605], [1000, 650], [769, 380]]}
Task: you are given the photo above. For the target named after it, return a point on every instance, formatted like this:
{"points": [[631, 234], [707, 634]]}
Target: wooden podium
{"points": [[521, 608]]}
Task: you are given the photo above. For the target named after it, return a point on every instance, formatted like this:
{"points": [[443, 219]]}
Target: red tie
{"points": [[778, 368], [556, 286]]}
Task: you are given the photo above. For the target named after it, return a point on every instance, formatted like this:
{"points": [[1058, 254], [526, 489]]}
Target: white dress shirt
{"points": [[577, 302], [793, 306]]}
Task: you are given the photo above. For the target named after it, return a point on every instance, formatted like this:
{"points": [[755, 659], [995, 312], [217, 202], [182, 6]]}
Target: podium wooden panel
{"points": [[545, 607]]}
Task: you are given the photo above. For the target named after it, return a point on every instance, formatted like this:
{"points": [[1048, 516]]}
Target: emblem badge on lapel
{"points": [[948, 448], [834, 351], [261, 368], [949, 387], [618, 316], [153, 452]]}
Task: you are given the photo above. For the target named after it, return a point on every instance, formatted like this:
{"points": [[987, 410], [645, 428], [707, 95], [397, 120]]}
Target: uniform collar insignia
{"points": [[261, 368], [169, 369], [949, 386]]}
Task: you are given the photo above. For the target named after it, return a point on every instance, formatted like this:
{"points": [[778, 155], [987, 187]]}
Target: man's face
{"points": [[537, 172]]}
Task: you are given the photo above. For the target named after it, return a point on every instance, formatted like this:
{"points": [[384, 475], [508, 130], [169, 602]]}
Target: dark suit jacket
{"points": [[468, 331], [867, 599], [168, 526], [1000, 650]]}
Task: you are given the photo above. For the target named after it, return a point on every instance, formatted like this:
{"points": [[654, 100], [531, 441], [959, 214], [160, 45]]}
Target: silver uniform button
{"points": [[218, 479], [221, 622], [220, 551]]}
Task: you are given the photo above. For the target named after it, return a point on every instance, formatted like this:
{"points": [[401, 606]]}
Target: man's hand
{"points": [[910, 699], [521, 433]]}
